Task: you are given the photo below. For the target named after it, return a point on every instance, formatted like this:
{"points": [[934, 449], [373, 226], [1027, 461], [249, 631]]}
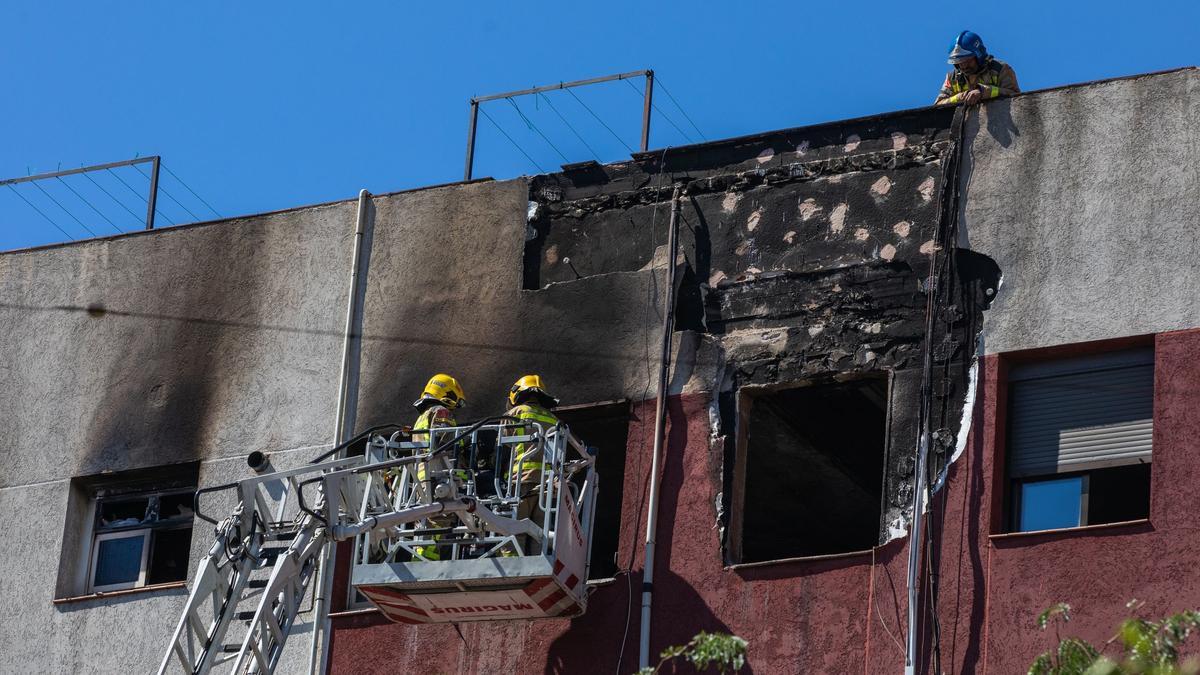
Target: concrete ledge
{"points": [[116, 594]]}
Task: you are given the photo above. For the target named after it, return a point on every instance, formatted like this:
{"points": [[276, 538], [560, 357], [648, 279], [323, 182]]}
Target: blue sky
{"points": [[262, 106]]}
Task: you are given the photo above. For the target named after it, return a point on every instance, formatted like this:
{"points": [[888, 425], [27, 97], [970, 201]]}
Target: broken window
{"points": [[603, 426], [128, 530], [1079, 441], [809, 470]]}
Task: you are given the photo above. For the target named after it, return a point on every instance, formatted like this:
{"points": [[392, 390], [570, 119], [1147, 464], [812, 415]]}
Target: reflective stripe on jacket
{"points": [[434, 417], [533, 413], [996, 76]]}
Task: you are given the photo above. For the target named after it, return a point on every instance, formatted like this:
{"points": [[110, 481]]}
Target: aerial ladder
{"points": [[437, 537]]}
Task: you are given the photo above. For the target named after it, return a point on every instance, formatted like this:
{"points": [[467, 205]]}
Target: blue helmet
{"points": [[966, 45]]}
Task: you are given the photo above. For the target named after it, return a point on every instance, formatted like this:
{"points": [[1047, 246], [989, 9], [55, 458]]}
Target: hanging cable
{"points": [[593, 113], [81, 198], [110, 196], [40, 213], [595, 154], [139, 196], [536, 130], [659, 83], [661, 113], [168, 194], [64, 209], [510, 140], [189, 189]]}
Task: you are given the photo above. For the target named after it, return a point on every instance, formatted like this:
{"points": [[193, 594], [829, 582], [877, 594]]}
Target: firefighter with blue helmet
{"points": [[977, 76]]}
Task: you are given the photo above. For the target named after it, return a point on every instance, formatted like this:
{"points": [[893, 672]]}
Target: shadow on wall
{"points": [[1000, 123]]}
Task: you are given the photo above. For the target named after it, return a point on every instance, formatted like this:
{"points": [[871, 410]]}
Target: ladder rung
{"points": [[244, 616], [286, 535], [257, 583], [231, 649]]}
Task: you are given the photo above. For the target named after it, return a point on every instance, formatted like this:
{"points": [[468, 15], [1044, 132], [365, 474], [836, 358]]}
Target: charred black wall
{"points": [[806, 259]]}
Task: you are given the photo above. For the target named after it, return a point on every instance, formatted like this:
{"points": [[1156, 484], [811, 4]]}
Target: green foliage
{"points": [[1147, 647], [727, 653]]}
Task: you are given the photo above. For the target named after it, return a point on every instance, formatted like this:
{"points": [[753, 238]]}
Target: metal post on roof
{"points": [[152, 198], [649, 101], [471, 139]]}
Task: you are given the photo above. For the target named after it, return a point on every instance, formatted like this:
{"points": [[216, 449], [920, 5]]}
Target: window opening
{"points": [[604, 426], [811, 476], [1080, 436]]}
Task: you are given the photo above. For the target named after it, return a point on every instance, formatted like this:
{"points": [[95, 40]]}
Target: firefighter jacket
{"points": [[434, 417], [533, 413], [997, 78]]}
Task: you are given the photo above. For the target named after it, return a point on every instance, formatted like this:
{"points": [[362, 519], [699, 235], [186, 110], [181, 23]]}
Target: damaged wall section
{"points": [[807, 261]]}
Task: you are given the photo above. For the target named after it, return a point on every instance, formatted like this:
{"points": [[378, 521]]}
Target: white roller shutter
{"points": [[1080, 414]]}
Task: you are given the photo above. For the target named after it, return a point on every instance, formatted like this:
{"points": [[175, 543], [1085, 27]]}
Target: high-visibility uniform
{"points": [[434, 417], [529, 466], [997, 78]]}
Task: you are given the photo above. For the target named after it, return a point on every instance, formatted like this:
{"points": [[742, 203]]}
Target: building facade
{"points": [[1016, 281]]}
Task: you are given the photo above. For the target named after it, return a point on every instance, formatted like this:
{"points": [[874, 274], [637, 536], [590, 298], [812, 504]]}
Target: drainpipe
{"points": [[660, 420], [319, 648]]}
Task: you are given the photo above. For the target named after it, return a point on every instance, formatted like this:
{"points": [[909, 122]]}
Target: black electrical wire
{"points": [[110, 196], [510, 140], [595, 154], [40, 213], [164, 191], [56, 202], [593, 113], [536, 130], [661, 113], [85, 201], [189, 189], [658, 82]]}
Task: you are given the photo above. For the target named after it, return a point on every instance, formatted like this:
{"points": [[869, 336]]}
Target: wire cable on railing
{"points": [[510, 140], [658, 81], [64, 209], [139, 195], [90, 205], [595, 154], [529, 123], [660, 112], [40, 213], [168, 194], [110, 196], [593, 113], [189, 189]]}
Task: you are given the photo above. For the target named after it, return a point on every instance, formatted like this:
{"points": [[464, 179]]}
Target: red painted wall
{"points": [[846, 615]]}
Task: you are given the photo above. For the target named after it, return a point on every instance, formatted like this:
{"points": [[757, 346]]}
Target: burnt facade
{"points": [[843, 291]]}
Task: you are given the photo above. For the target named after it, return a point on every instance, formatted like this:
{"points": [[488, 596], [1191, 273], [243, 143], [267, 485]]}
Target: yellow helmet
{"points": [[530, 384], [443, 389]]}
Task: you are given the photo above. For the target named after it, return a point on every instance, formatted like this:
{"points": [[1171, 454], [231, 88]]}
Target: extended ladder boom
{"points": [[400, 500]]}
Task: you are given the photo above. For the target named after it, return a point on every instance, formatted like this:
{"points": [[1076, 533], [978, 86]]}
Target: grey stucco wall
{"points": [[1086, 199], [197, 343]]}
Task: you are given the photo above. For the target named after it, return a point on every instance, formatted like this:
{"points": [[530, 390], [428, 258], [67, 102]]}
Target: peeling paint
{"points": [[852, 143], [899, 140], [926, 188], [881, 186], [790, 237], [809, 208], [766, 156], [837, 218], [730, 202], [752, 221], [902, 228], [716, 277], [862, 234], [552, 255], [929, 247], [888, 252], [802, 148]]}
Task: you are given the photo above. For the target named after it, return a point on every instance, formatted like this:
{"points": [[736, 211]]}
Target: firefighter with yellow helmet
{"points": [[530, 402], [438, 401]]}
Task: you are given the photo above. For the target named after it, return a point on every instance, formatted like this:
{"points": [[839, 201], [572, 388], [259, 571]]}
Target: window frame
{"points": [[734, 554], [101, 532], [143, 569], [1005, 502]]}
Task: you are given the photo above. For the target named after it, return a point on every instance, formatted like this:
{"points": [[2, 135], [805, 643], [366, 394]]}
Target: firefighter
{"points": [[437, 403], [530, 402], [977, 76]]}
